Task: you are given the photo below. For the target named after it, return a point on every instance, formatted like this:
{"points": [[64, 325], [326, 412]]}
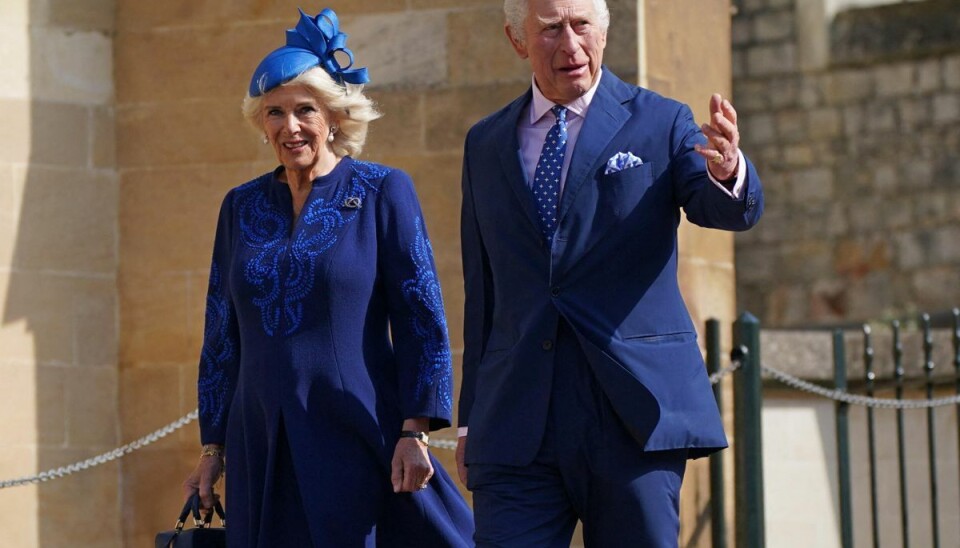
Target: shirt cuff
{"points": [[741, 177], [461, 431]]}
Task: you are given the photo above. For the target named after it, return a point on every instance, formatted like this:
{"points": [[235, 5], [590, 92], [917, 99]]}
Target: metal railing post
{"points": [[843, 442], [931, 428], [718, 524], [748, 455]]}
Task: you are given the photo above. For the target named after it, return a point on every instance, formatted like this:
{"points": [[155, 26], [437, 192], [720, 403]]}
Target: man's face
{"points": [[564, 43]]}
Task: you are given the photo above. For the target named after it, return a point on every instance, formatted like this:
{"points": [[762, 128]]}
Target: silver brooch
{"points": [[353, 202]]}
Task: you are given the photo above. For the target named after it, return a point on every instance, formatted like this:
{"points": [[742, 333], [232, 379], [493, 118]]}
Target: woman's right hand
{"points": [[207, 473]]}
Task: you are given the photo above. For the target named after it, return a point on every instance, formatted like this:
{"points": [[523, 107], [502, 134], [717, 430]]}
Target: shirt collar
{"points": [[541, 105]]}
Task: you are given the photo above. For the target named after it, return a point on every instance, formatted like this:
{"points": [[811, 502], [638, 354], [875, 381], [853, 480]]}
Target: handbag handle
{"points": [[192, 506]]}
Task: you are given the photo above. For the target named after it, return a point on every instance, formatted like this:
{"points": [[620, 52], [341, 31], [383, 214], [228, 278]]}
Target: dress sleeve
{"points": [[418, 325], [220, 355]]}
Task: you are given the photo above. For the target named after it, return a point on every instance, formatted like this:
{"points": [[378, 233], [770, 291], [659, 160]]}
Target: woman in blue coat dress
{"points": [[325, 360]]}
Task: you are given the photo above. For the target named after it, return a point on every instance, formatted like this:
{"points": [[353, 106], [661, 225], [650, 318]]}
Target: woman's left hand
{"points": [[411, 468]]}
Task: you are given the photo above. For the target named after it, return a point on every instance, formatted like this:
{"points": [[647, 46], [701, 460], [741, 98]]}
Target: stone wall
{"points": [[852, 122], [58, 260], [123, 133]]}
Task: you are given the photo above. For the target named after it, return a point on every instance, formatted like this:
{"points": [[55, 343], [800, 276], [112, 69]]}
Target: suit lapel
{"points": [[604, 119], [504, 138]]}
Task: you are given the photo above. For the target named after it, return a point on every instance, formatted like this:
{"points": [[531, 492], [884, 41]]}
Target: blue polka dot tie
{"points": [[546, 179]]}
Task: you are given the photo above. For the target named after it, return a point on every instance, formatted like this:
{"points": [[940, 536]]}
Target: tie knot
{"points": [[560, 112]]}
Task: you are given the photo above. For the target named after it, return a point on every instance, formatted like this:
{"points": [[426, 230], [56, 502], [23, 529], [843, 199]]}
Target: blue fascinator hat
{"points": [[312, 43]]}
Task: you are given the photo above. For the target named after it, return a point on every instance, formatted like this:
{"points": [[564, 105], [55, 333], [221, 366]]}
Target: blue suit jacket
{"points": [[611, 273]]}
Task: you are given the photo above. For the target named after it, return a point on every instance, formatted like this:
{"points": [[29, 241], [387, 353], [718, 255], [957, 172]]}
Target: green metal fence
{"points": [[747, 359]]}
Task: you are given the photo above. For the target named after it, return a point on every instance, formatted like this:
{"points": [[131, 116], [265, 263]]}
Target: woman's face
{"points": [[297, 126]]}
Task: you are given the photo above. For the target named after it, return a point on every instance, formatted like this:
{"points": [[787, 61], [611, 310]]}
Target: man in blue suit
{"points": [[584, 391]]}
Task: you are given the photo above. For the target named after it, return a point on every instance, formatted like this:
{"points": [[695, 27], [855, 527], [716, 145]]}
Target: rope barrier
{"points": [[448, 444]]}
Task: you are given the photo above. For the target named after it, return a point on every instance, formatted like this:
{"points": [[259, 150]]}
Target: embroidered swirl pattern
{"points": [[218, 350], [283, 271], [427, 322]]}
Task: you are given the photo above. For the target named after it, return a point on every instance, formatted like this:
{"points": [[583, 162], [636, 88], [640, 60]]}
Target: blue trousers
{"points": [[588, 468]]}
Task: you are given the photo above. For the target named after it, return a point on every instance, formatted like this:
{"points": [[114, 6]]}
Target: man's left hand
{"points": [[721, 152]]}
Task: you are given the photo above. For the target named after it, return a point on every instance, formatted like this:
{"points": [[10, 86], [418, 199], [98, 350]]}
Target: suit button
{"points": [[547, 344], [555, 291]]}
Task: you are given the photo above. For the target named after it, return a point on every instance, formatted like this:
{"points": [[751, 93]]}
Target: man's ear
{"points": [[518, 46]]}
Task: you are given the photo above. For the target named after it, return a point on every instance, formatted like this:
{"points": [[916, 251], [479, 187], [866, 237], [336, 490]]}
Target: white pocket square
{"points": [[621, 161]]}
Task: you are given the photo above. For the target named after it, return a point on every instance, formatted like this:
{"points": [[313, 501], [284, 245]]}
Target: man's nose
{"points": [[569, 41]]}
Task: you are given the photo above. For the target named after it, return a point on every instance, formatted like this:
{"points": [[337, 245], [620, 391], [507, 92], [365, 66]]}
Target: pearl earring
{"points": [[330, 137], [265, 140]]}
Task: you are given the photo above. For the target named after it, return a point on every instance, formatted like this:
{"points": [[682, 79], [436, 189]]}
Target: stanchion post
{"points": [[718, 523], [748, 456], [843, 441]]}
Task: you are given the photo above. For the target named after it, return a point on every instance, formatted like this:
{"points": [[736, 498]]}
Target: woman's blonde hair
{"points": [[346, 106]]}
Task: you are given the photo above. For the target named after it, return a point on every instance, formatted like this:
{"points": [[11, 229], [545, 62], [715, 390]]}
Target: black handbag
{"points": [[204, 535]]}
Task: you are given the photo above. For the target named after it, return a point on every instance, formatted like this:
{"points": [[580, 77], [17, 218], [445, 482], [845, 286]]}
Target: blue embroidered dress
{"points": [[322, 334]]}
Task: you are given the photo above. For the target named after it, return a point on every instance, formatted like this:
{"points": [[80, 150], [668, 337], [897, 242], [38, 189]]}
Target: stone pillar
{"points": [[58, 259], [688, 58]]}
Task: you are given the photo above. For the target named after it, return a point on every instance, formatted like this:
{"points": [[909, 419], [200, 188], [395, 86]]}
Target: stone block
{"points": [[91, 405], [104, 138], [810, 95], [806, 260], [167, 134], [798, 155], [914, 114], [43, 313], [186, 63], [169, 216], [856, 257], [946, 245], [759, 128], [21, 398], [882, 118], [709, 290], [772, 26], [96, 324], [750, 96], [703, 246], [894, 80], [449, 114], [933, 287], [911, 249], [67, 222], [152, 478], [885, 177], [178, 13], [755, 264], [849, 86], [741, 32], [928, 76], [44, 133], [19, 514], [784, 92], [771, 60], [478, 51], [402, 49], [66, 506], [824, 123], [154, 308], [71, 67], [791, 126], [946, 108], [401, 129], [148, 397], [738, 65], [951, 72], [89, 15], [15, 70]]}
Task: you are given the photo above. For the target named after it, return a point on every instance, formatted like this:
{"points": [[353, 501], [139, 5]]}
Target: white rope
{"points": [[854, 399], [448, 444]]}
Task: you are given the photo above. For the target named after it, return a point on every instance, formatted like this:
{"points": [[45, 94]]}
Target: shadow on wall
{"points": [[62, 275]]}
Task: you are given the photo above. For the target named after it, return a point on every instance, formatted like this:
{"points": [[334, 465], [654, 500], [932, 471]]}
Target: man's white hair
{"points": [[516, 13]]}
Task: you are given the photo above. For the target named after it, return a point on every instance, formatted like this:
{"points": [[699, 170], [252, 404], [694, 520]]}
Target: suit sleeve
{"points": [[704, 203], [220, 354], [418, 325], [478, 295]]}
